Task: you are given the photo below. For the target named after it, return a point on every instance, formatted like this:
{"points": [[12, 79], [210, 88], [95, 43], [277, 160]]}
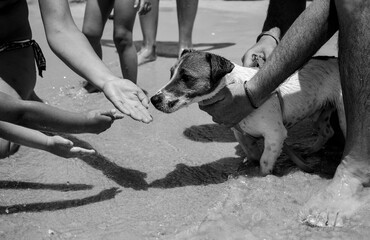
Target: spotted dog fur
{"points": [[313, 91]]}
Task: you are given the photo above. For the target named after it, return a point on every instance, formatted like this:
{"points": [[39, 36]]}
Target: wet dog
{"points": [[314, 91]]}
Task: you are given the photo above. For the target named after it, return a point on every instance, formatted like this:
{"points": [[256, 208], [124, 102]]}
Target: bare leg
{"points": [[344, 195], [124, 18], [186, 12], [149, 26], [96, 15]]}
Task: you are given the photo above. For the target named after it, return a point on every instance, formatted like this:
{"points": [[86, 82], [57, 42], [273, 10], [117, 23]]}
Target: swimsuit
{"points": [[39, 56]]}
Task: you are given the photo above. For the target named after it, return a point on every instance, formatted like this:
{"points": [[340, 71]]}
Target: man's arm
{"points": [[313, 28], [71, 46]]}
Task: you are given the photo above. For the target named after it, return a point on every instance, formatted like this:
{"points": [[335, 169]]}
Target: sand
{"points": [[174, 178]]}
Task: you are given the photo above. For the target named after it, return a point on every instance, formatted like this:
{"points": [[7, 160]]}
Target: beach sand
{"points": [[174, 178]]}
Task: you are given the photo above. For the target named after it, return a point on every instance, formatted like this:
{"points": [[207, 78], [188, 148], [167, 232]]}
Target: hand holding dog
{"points": [[229, 106], [263, 48], [128, 98]]}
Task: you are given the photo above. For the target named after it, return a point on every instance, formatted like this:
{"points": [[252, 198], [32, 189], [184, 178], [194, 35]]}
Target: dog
{"points": [[314, 91]]}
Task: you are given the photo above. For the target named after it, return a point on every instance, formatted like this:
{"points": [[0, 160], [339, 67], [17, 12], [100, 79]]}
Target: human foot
{"points": [[335, 202], [146, 55]]}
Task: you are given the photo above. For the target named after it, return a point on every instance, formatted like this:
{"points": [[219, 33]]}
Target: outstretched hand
{"points": [[229, 106], [64, 148], [143, 6], [99, 121], [128, 98]]}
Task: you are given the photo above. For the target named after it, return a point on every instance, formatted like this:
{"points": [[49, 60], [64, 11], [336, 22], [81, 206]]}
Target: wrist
{"points": [[249, 94], [273, 33]]}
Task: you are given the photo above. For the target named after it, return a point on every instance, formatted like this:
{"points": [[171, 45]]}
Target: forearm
{"points": [[307, 34], [282, 14], [70, 45], [40, 116], [23, 136]]}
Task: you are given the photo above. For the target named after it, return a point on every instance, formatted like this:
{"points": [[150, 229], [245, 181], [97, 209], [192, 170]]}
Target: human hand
{"points": [[266, 43], [64, 148], [98, 121], [262, 49], [229, 106], [128, 98], [143, 6]]}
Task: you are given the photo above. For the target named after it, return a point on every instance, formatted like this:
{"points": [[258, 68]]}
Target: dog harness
{"points": [[39, 56]]}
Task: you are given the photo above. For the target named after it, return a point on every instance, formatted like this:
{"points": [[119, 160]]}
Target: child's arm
{"points": [[44, 117], [35, 139]]}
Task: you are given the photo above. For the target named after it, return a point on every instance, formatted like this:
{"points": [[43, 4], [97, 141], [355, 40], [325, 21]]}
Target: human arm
{"points": [[40, 116], [72, 47], [307, 34], [31, 138], [280, 16]]}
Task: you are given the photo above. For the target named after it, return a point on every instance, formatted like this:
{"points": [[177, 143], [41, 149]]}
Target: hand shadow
{"points": [[128, 178], [104, 195]]}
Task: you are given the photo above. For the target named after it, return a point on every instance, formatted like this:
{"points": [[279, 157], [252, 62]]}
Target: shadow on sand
{"points": [[58, 205], [16, 185], [171, 49]]}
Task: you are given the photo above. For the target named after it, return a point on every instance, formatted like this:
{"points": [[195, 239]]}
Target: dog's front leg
{"points": [[249, 146], [273, 146]]}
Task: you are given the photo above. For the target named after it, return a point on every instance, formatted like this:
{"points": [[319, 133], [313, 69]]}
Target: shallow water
{"points": [[175, 178]]}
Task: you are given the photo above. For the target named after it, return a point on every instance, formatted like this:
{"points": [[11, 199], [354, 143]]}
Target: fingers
{"points": [[133, 109], [113, 114], [142, 95], [144, 7], [79, 151]]}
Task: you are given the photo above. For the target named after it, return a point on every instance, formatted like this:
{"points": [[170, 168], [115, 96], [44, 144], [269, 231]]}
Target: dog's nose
{"points": [[156, 99]]}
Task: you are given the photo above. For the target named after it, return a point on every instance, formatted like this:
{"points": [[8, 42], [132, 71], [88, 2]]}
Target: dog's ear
{"points": [[186, 50], [220, 66]]}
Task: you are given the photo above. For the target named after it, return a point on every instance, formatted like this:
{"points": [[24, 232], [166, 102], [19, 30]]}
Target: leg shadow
{"points": [[58, 205], [16, 185], [128, 178]]}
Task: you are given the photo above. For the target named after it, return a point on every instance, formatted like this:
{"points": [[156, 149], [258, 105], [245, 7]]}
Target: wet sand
{"points": [[172, 179]]}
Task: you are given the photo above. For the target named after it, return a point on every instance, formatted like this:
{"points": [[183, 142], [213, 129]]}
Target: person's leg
{"points": [[149, 25], [186, 13], [96, 15], [344, 195], [124, 18]]}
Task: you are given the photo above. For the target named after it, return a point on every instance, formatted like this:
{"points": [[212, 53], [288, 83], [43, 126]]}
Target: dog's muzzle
{"points": [[160, 102]]}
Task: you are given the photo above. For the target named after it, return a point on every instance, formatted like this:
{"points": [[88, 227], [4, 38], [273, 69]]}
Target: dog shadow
{"points": [[104, 195], [170, 49]]}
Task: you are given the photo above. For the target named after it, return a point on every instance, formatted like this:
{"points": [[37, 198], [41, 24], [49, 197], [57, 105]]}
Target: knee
{"points": [[7, 148], [122, 39]]}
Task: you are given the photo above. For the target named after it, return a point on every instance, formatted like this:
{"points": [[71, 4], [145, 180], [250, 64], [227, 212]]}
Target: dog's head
{"points": [[194, 77]]}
